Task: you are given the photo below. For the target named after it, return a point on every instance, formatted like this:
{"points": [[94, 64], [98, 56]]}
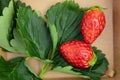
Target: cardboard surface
{"points": [[104, 42], [116, 21]]}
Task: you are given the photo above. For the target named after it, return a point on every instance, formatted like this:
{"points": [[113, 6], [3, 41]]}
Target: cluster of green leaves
{"points": [[15, 70], [22, 30], [10, 38]]}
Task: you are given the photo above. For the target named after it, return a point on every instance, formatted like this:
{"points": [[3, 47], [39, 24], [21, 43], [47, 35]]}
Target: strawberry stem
{"points": [[46, 66]]}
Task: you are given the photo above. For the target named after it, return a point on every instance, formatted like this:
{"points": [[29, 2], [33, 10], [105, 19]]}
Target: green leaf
{"points": [[54, 38], [93, 72], [18, 4], [66, 18], [17, 42], [3, 4], [15, 70], [34, 32], [96, 78], [6, 26], [64, 23], [14, 43], [66, 69]]}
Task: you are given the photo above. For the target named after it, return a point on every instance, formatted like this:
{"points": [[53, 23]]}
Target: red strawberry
{"points": [[92, 24], [77, 53]]}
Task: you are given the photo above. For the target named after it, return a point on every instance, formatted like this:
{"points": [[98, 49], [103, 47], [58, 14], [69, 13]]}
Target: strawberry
{"points": [[92, 24], [77, 53]]}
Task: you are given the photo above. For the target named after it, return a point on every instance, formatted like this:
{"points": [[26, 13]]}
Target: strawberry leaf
{"points": [[6, 26], [18, 4], [66, 69], [64, 22], [10, 43], [15, 70], [66, 18], [34, 32], [17, 42], [3, 4], [93, 72]]}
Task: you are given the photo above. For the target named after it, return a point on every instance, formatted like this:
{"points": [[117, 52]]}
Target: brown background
{"points": [[108, 42], [116, 21]]}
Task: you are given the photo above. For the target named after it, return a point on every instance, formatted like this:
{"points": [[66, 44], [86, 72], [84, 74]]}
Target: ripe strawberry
{"points": [[77, 53], [92, 24]]}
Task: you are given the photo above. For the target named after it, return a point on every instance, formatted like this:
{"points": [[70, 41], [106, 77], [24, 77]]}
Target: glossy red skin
{"points": [[92, 25], [77, 53]]}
